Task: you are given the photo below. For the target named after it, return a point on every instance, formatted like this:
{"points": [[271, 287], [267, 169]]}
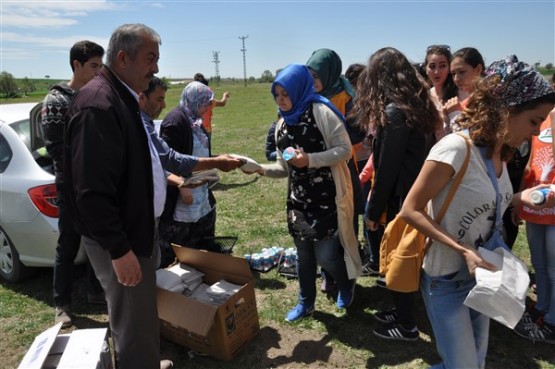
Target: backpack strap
{"points": [[457, 180]]}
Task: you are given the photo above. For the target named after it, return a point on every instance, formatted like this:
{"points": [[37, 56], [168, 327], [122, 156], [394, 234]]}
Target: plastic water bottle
{"points": [[256, 262], [288, 153], [538, 197], [287, 262]]}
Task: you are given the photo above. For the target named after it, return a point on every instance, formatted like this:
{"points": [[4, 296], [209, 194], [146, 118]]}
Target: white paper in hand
{"points": [[501, 295], [250, 164]]}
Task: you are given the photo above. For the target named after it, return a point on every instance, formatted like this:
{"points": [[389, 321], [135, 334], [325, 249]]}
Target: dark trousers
{"points": [[132, 311], [330, 255], [66, 252]]}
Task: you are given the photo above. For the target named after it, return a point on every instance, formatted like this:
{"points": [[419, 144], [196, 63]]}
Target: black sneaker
{"points": [[537, 332], [387, 316], [380, 282], [370, 269], [395, 331], [532, 316]]}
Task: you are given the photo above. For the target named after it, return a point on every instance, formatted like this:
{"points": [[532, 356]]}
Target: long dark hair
{"points": [[391, 78], [449, 88]]}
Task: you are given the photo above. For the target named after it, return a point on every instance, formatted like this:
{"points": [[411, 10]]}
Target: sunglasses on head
{"points": [[447, 47]]}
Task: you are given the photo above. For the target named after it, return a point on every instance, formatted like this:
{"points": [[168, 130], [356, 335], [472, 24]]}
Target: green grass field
{"points": [[253, 209]]}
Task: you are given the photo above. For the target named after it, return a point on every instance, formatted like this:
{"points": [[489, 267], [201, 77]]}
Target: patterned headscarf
{"points": [[520, 83], [297, 81], [327, 64], [195, 95]]}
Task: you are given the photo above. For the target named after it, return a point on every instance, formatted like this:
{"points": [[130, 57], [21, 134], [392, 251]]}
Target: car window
{"points": [[23, 130], [5, 154], [37, 139]]}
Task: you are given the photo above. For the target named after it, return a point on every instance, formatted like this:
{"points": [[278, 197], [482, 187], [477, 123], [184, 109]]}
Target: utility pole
{"points": [[244, 58], [216, 61]]}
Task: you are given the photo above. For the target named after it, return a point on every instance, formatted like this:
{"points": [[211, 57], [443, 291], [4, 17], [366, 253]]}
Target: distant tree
{"points": [[167, 81], [47, 76], [537, 65], [27, 85], [549, 66], [8, 86], [252, 79], [267, 76]]}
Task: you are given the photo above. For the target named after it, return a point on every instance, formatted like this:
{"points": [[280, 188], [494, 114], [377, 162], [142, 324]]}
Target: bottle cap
{"points": [[538, 197]]}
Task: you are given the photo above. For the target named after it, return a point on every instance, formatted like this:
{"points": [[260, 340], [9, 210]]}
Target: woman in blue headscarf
{"points": [[319, 201], [325, 67]]}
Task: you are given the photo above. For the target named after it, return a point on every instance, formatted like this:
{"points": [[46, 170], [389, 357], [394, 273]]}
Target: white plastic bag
{"points": [[501, 295]]}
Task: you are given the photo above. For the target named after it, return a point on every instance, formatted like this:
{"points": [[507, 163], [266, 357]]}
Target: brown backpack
{"points": [[403, 247]]}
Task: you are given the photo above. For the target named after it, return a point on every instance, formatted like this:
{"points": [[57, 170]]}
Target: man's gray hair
{"points": [[128, 38]]}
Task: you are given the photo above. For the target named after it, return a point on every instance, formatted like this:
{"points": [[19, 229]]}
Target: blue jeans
{"points": [[541, 240], [329, 254], [461, 333]]}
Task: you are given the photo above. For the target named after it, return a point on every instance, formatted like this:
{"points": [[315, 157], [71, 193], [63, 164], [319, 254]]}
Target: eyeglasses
{"points": [[447, 47]]}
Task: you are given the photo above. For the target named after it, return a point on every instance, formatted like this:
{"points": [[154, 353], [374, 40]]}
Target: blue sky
{"points": [[36, 35]]}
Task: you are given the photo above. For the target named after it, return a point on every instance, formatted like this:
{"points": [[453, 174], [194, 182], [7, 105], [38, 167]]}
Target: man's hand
{"points": [[226, 162], [128, 269]]}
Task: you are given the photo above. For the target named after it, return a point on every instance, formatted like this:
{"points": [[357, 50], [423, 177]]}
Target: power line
{"points": [[244, 58]]}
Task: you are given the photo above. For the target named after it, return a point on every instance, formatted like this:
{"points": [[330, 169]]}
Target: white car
{"points": [[28, 210]]}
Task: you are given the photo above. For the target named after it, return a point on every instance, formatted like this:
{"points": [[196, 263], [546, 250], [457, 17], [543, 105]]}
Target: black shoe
{"points": [[370, 269], [532, 316], [380, 282], [63, 315], [536, 332], [387, 316], [395, 331]]}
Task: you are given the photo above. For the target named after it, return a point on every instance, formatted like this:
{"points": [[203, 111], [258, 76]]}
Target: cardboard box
{"points": [[219, 331], [82, 349]]}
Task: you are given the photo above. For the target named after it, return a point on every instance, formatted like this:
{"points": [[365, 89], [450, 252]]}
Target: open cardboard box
{"points": [[219, 331], [83, 349]]}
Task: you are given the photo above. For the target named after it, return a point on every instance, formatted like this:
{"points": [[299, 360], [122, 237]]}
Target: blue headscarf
{"points": [[297, 81]]}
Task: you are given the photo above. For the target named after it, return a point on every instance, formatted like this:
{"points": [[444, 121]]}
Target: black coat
{"points": [[399, 153], [107, 168]]}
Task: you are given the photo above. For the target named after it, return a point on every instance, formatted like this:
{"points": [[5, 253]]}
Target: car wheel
{"points": [[11, 268]]}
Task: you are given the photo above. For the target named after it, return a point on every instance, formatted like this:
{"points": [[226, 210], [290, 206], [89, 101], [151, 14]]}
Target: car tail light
{"points": [[45, 199]]}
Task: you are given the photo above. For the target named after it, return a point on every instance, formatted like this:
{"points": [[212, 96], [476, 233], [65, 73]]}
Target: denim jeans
{"points": [[541, 240], [461, 333], [66, 252], [329, 254]]}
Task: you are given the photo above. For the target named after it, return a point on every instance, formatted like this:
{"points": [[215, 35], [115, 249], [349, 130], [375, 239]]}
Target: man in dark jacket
{"points": [[116, 190]]}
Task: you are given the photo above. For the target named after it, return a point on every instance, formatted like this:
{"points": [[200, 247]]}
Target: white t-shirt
{"points": [[471, 214]]}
